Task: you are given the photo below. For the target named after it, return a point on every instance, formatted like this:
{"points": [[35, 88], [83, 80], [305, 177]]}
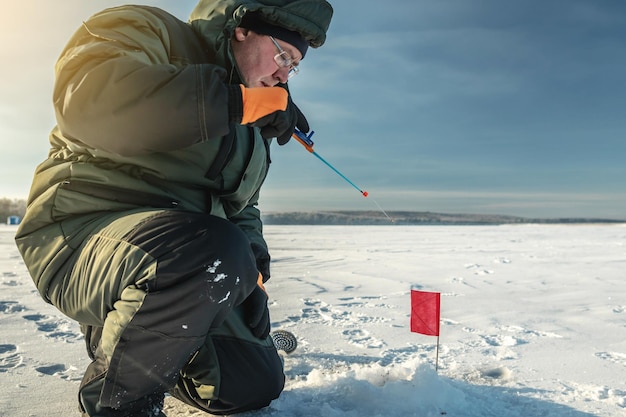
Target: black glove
{"points": [[282, 124], [260, 107], [262, 260], [256, 313]]}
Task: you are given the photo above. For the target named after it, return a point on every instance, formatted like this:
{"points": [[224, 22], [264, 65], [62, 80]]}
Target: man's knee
{"points": [[185, 244]]}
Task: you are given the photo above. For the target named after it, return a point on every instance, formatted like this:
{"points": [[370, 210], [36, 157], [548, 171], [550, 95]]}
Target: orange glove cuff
{"points": [[259, 282], [258, 102]]}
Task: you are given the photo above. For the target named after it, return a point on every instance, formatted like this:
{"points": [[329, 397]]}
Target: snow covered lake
{"points": [[533, 323]]}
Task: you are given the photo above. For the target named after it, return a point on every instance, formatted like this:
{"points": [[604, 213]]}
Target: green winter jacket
{"points": [[141, 105]]}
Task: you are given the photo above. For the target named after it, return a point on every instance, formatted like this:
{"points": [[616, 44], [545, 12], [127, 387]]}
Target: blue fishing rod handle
{"points": [[304, 137]]}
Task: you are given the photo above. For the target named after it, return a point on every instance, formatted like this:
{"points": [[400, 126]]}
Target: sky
{"points": [[457, 106]]}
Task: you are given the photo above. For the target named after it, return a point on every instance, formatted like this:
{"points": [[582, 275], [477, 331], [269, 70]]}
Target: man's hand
{"points": [[256, 312], [268, 108], [263, 260]]}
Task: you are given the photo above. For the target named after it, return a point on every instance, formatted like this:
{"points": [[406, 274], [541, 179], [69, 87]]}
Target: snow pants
{"points": [[158, 295]]}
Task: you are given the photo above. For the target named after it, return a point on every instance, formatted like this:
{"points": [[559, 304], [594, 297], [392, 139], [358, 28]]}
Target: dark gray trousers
{"points": [[157, 294]]}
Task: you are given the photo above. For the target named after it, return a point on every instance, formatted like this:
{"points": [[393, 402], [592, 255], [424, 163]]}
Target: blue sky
{"points": [[515, 107]]}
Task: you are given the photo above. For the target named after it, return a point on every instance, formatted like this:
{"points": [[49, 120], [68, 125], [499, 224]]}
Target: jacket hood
{"points": [[215, 20]]}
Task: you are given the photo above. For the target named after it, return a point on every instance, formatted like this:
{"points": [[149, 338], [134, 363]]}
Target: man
{"points": [[142, 223]]}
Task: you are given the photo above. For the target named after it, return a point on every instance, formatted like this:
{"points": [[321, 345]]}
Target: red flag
{"points": [[425, 312]]}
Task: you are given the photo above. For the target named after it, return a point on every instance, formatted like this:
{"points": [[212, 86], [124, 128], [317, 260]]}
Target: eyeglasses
{"points": [[284, 60]]}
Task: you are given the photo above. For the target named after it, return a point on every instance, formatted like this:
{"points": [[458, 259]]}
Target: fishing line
{"points": [[381, 209], [306, 141]]}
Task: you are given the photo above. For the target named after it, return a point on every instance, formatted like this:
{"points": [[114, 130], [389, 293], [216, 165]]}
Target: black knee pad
{"points": [[186, 243]]}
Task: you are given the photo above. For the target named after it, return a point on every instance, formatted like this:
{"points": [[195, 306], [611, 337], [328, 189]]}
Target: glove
{"points": [[256, 313], [262, 260], [268, 108]]}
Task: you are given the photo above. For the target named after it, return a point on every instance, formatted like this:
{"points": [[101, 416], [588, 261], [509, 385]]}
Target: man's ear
{"points": [[241, 34]]}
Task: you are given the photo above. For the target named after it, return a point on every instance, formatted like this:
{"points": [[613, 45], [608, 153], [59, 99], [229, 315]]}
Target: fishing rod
{"points": [[306, 141]]}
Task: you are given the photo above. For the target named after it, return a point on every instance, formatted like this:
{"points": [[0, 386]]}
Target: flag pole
{"points": [[437, 356]]}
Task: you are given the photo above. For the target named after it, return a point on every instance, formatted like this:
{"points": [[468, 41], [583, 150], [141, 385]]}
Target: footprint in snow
{"points": [[478, 269], [362, 338], [529, 332], [500, 340], [61, 371], [10, 307], [9, 357], [615, 357], [351, 302], [502, 261], [51, 369], [55, 328]]}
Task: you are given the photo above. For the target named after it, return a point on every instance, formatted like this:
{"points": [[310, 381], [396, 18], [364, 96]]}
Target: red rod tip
{"points": [[364, 193]]}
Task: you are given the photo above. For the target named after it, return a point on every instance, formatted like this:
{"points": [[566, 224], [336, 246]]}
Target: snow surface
{"points": [[533, 324]]}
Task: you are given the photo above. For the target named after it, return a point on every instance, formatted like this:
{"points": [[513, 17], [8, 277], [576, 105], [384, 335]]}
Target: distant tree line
{"points": [[9, 207], [17, 207], [410, 218]]}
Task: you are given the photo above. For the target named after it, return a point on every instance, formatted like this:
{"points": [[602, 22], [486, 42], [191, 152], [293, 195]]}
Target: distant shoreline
{"points": [[424, 218]]}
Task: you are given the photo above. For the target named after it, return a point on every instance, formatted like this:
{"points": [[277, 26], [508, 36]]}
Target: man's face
{"points": [[255, 53]]}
